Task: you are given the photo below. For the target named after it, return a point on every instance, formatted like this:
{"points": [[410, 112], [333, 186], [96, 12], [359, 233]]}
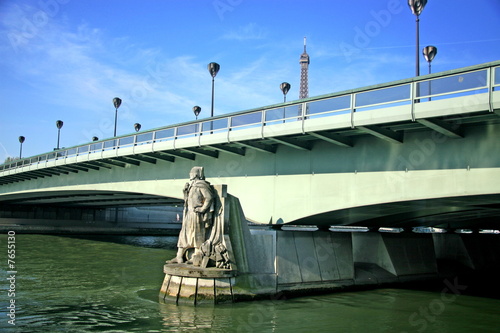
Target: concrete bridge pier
{"points": [[468, 252], [311, 261], [271, 262]]}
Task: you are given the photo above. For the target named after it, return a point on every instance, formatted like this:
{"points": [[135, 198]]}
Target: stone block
{"points": [[483, 249], [368, 274], [410, 253], [174, 286], [326, 256], [450, 247], [306, 254], [287, 263], [164, 286], [223, 290], [205, 290], [369, 247], [263, 251], [342, 248], [188, 288]]}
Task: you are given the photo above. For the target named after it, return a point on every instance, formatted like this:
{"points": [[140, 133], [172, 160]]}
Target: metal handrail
{"points": [[202, 127]]}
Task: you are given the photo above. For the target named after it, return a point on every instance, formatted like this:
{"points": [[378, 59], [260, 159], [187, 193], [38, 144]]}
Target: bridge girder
{"points": [[259, 146], [383, 133], [452, 131]]}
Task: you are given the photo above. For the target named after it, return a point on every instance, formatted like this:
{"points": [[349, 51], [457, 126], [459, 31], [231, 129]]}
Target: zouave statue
{"points": [[201, 225]]}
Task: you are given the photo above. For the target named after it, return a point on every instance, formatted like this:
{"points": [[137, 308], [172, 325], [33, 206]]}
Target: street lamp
{"points": [[285, 88], [59, 125], [213, 68], [417, 6], [116, 102], [429, 53], [137, 127], [21, 140], [196, 111]]}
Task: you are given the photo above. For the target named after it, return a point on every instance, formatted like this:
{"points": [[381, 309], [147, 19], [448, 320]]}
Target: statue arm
{"points": [[186, 191], [209, 198]]}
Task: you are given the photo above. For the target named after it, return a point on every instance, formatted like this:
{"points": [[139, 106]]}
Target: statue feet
{"points": [[197, 259], [176, 260]]}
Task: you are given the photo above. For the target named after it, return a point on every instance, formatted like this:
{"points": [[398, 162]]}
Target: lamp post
{"points": [[59, 125], [137, 127], [196, 111], [116, 102], [285, 88], [417, 6], [213, 68], [21, 140], [429, 53]]}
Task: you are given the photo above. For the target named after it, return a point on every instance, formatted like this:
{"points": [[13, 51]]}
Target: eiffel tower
{"points": [[304, 69]]}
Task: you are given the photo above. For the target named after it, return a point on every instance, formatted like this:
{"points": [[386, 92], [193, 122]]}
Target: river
{"points": [[111, 284]]}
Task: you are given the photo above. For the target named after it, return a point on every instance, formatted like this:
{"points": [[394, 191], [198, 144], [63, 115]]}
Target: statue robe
{"points": [[199, 198]]}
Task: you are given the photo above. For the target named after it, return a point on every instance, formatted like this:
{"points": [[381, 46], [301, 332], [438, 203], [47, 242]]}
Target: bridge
{"points": [[416, 152]]}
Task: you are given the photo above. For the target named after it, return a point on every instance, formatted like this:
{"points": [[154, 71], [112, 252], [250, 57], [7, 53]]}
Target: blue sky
{"points": [[67, 59]]}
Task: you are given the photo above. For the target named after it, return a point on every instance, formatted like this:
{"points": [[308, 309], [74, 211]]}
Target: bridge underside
{"points": [[87, 198], [470, 212], [466, 212]]}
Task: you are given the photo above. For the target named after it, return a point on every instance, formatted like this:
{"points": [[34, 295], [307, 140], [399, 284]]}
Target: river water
{"points": [[111, 284]]}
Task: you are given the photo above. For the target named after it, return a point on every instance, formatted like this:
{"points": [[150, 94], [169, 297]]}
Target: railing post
{"points": [[198, 133], [229, 131], [413, 89], [353, 108], [263, 122], [304, 112], [491, 83], [175, 135], [153, 141], [200, 129]]}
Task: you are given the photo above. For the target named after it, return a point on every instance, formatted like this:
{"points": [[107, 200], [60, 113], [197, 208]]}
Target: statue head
{"points": [[197, 173]]}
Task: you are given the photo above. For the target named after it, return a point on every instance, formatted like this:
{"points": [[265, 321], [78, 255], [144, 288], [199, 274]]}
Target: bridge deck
{"points": [[442, 101]]}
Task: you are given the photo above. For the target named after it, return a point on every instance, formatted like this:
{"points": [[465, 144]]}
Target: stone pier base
{"points": [[294, 263], [193, 285]]}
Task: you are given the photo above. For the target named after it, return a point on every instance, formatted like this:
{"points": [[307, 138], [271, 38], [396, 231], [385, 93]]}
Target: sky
{"points": [[67, 59]]}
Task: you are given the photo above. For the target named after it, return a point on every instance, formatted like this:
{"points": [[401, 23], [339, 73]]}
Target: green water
{"points": [[110, 284]]}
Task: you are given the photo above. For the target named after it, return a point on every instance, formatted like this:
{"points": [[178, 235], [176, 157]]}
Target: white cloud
{"points": [[247, 32]]}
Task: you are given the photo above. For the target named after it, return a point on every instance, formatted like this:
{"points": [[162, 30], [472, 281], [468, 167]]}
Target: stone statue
{"points": [[198, 215], [203, 225]]}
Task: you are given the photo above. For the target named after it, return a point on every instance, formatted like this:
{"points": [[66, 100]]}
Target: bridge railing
{"points": [[461, 82]]}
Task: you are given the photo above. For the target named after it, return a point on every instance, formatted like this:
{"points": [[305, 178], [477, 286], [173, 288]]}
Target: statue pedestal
{"points": [[185, 283], [242, 277]]}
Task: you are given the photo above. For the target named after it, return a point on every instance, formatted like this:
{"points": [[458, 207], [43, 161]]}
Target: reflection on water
{"points": [[110, 284]]}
